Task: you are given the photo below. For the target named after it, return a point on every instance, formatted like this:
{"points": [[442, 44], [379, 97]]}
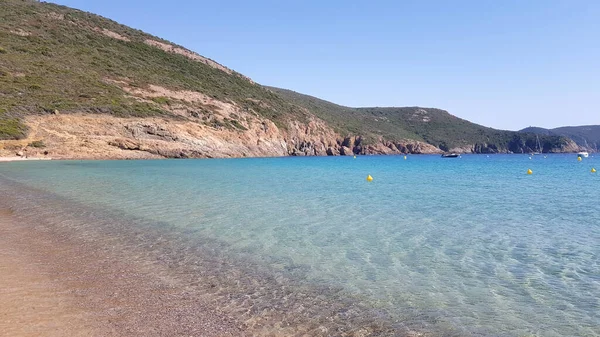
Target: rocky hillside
{"points": [[432, 126], [587, 136], [76, 85]]}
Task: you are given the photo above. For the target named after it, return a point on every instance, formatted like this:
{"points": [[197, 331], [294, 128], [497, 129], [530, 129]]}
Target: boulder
{"points": [[346, 151], [331, 151], [125, 144]]}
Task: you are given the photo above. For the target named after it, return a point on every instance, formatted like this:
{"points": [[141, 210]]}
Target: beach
{"points": [[9, 159], [33, 301], [285, 247], [74, 271], [52, 286]]}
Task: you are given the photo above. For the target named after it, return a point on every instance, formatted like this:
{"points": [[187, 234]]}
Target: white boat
{"points": [[450, 155], [583, 154]]}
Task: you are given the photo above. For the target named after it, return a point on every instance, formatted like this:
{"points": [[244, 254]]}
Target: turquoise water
{"points": [[470, 246]]}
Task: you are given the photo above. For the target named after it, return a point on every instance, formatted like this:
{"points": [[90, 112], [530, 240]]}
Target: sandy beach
{"points": [[6, 159], [75, 270], [34, 302], [54, 287]]}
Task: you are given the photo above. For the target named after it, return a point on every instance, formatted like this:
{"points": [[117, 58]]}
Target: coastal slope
{"points": [[585, 136], [77, 85]]}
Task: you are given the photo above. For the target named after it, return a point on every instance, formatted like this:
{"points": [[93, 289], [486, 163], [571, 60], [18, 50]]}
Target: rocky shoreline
{"points": [[88, 136]]}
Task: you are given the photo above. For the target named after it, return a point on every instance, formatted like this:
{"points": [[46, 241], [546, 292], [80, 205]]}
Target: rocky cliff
{"points": [[76, 85], [224, 131], [587, 137]]}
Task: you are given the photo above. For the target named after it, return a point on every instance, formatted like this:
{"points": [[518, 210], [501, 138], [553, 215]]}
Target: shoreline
{"points": [[131, 252], [53, 286], [33, 301], [138, 279], [10, 159], [16, 159]]}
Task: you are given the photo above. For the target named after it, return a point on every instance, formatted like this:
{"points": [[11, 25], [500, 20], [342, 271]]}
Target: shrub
{"points": [[11, 128], [37, 144], [161, 100]]}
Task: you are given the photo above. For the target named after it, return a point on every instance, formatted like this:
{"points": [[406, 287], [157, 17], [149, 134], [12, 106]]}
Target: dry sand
{"points": [[21, 159]]}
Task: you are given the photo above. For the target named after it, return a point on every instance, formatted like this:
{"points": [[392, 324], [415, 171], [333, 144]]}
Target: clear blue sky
{"points": [[502, 63]]}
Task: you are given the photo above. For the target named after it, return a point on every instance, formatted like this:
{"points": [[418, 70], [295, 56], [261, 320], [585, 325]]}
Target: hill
{"points": [[76, 85], [586, 136], [433, 126]]}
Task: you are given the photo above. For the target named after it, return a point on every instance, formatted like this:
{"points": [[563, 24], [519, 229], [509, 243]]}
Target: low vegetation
{"points": [[55, 58], [11, 127], [434, 126], [587, 136], [37, 144]]}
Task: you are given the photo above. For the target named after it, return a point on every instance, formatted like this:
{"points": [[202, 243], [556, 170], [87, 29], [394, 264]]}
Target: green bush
{"points": [[235, 124], [72, 64], [37, 144], [161, 100], [11, 128]]}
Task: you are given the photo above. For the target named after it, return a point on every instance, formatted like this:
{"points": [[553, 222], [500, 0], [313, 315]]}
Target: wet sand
{"points": [[52, 287], [33, 302], [34, 305], [85, 271]]}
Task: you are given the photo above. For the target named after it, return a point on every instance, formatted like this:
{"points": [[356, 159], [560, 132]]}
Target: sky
{"points": [[506, 64]]}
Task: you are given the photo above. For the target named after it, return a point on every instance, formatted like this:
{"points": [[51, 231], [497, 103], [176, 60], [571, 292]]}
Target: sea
{"points": [[469, 246]]}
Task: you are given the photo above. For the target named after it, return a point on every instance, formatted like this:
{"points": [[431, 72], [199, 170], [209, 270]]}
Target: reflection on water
{"points": [[466, 247]]}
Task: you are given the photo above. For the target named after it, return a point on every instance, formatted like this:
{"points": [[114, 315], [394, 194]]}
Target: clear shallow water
{"points": [[473, 245]]}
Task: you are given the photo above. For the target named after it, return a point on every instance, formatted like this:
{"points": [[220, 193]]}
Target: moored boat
{"points": [[450, 155]]}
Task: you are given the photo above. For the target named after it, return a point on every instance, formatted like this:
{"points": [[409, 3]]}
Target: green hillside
{"points": [[434, 126], [587, 136], [54, 58]]}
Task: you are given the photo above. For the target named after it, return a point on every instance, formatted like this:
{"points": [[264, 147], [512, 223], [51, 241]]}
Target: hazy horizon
{"points": [[505, 65]]}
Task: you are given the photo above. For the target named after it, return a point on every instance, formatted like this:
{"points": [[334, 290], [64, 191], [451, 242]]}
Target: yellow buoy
{"points": [[369, 178], [529, 171], [354, 157], [593, 170], [404, 157], [579, 158]]}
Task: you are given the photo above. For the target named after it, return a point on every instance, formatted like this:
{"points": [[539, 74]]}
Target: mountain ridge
{"points": [[432, 125], [585, 136], [77, 85]]}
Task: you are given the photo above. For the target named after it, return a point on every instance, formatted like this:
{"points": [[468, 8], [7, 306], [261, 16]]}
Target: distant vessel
{"points": [[450, 155], [583, 154]]}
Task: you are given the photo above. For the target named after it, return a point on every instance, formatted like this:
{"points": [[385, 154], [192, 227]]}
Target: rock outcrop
{"points": [[86, 136]]}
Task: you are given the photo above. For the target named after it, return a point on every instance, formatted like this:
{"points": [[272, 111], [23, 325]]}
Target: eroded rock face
{"points": [[200, 127], [571, 146], [125, 144], [309, 139], [102, 136], [108, 137], [346, 151]]}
